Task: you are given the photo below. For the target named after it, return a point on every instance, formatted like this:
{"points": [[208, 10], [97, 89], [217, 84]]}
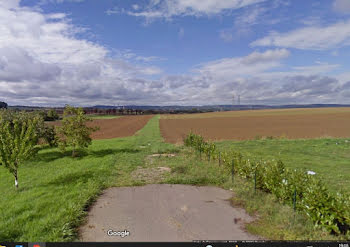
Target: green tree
{"points": [[74, 132], [47, 134], [52, 115], [18, 139]]}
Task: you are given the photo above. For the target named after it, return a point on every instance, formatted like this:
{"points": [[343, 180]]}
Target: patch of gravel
{"points": [[150, 175], [161, 155], [150, 158]]}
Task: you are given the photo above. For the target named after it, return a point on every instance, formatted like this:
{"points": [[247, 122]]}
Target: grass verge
{"points": [[329, 158]]}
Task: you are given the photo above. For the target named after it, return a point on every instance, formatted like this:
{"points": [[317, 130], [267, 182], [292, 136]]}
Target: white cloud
{"points": [[9, 3], [56, 16], [112, 11], [226, 35], [320, 68], [59, 1], [251, 16], [172, 8], [310, 38], [256, 62], [242, 24], [135, 6], [42, 62], [133, 57], [181, 33], [342, 6]]}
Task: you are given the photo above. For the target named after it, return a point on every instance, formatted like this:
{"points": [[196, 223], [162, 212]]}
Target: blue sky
{"points": [[164, 52]]}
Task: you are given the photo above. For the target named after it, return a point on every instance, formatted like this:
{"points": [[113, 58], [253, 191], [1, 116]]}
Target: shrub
{"points": [[47, 133], [52, 115], [329, 211]]}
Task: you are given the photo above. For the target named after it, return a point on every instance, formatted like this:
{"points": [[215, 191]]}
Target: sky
{"points": [[174, 52]]}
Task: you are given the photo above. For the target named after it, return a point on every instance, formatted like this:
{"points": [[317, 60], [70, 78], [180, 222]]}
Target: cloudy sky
{"points": [[165, 52]]}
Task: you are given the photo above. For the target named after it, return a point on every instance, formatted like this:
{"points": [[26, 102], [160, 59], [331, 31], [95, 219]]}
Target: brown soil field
{"points": [[293, 126], [117, 127], [263, 112]]}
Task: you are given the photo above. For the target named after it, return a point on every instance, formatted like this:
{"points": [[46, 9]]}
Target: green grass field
{"points": [[96, 116], [329, 158], [56, 190]]}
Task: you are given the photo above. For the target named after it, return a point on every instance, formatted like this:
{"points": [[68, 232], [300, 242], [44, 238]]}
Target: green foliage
{"points": [[74, 132], [329, 211], [52, 115], [47, 133], [18, 139]]}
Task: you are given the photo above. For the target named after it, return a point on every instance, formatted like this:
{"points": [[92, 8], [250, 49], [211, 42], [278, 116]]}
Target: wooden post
{"points": [[255, 179], [295, 200], [232, 170]]}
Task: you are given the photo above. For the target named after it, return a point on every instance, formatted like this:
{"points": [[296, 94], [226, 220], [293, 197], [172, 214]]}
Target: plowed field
{"points": [[302, 123], [117, 127]]}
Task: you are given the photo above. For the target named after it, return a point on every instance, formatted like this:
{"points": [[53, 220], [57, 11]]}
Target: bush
{"points": [[48, 135], [50, 115]]}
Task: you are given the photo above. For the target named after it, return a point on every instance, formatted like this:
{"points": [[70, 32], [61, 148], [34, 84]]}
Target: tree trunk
{"points": [[16, 180], [73, 153]]}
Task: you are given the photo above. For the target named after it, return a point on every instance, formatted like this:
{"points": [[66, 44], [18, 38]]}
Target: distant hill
{"points": [[189, 109], [218, 107]]}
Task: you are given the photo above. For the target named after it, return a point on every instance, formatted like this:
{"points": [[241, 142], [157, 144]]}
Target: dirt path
{"points": [[162, 212]]}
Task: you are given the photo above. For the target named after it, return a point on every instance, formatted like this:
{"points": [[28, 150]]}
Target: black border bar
{"points": [[212, 243]]}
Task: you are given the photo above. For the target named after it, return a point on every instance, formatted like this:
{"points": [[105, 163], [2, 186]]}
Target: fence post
{"points": [[255, 179], [232, 170]]}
